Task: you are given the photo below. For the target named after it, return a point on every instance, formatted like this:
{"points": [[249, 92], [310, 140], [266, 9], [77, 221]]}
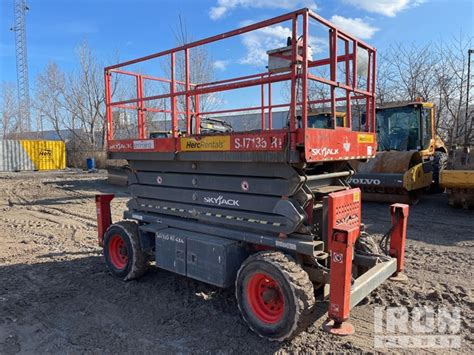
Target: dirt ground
{"points": [[56, 295]]}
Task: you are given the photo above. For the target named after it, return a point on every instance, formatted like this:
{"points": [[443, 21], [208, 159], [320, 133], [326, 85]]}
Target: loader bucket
{"points": [[393, 177], [458, 179]]}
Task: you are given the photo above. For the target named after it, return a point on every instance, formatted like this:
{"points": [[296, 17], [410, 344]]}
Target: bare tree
{"points": [[435, 73], [9, 109], [451, 75], [386, 80], [73, 104], [75, 101], [86, 96], [201, 71], [49, 99], [200, 67], [410, 71]]}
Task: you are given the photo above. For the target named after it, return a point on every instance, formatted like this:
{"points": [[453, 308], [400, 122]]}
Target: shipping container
{"points": [[21, 155]]}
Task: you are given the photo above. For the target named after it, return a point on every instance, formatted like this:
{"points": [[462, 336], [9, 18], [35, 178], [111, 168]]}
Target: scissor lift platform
{"points": [[268, 210]]}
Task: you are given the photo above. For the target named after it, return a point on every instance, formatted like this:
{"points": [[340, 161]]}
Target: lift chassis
{"points": [[267, 211]]}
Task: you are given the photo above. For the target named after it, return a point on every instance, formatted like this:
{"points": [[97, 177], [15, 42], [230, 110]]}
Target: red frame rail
{"points": [[299, 75]]}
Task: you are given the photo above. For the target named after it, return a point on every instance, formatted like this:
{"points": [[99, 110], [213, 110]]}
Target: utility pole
{"points": [[23, 87]]}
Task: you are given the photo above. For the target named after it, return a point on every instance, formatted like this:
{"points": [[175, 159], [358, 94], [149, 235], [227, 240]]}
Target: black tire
{"points": [[122, 252], [440, 162], [293, 289]]}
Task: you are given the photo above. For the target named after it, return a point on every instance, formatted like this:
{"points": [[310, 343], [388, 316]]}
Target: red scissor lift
{"points": [[267, 210]]}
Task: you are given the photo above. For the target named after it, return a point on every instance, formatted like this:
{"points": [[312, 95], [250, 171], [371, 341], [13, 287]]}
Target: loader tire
{"points": [[440, 162], [274, 295], [122, 252]]}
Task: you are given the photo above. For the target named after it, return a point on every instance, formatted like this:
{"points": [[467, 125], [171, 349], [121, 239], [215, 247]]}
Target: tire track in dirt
{"points": [[59, 212], [14, 223], [64, 213], [49, 241]]}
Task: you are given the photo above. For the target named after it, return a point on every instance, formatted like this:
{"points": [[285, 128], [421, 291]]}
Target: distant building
{"points": [[50, 135]]}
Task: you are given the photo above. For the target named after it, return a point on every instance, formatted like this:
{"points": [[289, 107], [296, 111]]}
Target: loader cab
{"points": [[324, 120], [404, 128]]}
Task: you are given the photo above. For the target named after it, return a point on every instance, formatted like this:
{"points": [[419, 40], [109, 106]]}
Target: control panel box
{"points": [[210, 259]]}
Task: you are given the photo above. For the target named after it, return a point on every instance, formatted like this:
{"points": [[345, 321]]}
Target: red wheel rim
{"points": [[265, 298], [118, 252]]}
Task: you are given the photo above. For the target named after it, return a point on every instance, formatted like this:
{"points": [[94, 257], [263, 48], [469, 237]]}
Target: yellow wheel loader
{"points": [[409, 156], [458, 177]]}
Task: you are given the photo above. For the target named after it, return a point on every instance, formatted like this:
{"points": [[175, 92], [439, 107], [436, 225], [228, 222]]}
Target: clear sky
{"points": [[138, 27]]}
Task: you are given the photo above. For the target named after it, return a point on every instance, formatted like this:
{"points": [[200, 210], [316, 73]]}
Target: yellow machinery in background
{"points": [[458, 177], [409, 156]]}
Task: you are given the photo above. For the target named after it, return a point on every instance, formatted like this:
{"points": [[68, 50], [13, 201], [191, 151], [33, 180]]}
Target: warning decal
{"points": [[365, 138]]}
